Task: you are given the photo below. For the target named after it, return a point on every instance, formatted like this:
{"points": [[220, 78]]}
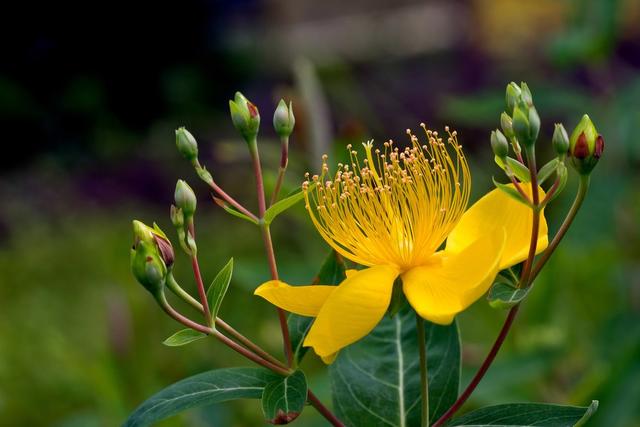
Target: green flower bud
{"points": [[585, 146], [512, 96], [186, 143], [245, 117], [142, 233], [525, 94], [499, 144], [534, 125], [560, 140], [283, 119], [151, 256], [185, 198], [521, 125], [507, 125], [177, 217]]}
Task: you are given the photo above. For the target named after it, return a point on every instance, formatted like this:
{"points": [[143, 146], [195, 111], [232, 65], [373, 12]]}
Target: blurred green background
{"points": [[89, 99]]}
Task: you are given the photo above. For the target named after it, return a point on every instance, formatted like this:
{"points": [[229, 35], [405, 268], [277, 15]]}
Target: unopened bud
{"points": [[186, 143], [185, 198], [245, 117], [525, 94], [507, 125], [585, 146], [151, 256], [534, 125], [499, 144], [283, 119], [560, 140], [521, 126], [512, 96]]}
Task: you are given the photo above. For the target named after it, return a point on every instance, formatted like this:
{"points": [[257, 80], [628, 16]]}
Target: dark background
{"points": [[90, 96]]}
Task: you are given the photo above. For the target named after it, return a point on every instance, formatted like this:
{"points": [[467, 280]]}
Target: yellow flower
{"points": [[391, 212]]}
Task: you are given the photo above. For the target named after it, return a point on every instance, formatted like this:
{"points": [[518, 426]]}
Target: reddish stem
{"points": [[313, 399], [483, 368]]}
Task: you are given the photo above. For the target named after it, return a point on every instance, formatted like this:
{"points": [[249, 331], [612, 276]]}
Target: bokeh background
{"points": [[90, 96]]}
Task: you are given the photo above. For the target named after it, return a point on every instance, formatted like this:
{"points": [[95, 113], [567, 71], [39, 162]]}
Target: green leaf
{"points": [[284, 204], [218, 288], [510, 191], [515, 167], [199, 390], [284, 398], [505, 295], [332, 272], [376, 381], [224, 205], [183, 337], [527, 414], [545, 172], [562, 176]]}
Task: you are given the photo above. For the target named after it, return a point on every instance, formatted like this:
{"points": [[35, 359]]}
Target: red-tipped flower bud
{"points": [[245, 117], [585, 146]]}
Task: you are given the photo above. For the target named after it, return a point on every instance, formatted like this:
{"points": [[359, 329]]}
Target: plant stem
{"points": [[245, 341], [173, 285], [224, 195], [162, 300], [583, 187], [525, 279], [315, 402], [284, 160], [424, 380], [483, 368], [201, 290], [268, 245], [535, 223], [282, 370]]}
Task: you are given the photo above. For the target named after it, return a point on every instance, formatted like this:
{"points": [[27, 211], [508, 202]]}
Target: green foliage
{"points": [[283, 399], [505, 294], [376, 381], [515, 167], [284, 204], [218, 288], [510, 191], [527, 414], [203, 389], [185, 336]]}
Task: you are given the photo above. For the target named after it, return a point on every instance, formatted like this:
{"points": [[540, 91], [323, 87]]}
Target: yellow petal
{"points": [[330, 358], [452, 282], [303, 300], [352, 311], [491, 213], [350, 271]]}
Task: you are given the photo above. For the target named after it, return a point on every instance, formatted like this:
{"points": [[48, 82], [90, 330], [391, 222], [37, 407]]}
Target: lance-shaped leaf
{"points": [[284, 398], [332, 272], [183, 337], [218, 288], [527, 414], [376, 381], [515, 167], [511, 192], [203, 389], [284, 204], [224, 205]]}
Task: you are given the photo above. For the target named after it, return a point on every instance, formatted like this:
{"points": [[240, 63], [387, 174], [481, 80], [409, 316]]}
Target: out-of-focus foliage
{"points": [[93, 118]]}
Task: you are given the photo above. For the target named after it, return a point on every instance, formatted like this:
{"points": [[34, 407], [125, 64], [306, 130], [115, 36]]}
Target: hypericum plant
{"points": [[419, 257]]}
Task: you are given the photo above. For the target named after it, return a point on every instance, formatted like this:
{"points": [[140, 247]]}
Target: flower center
{"points": [[394, 207]]}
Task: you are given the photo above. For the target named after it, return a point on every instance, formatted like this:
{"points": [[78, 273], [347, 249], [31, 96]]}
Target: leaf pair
{"points": [[283, 398], [215, 294]]}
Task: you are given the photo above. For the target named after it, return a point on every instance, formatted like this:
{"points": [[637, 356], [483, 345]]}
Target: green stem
{"points": [[174, 287], [424, 381], [583, 187], [284, 160]]}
